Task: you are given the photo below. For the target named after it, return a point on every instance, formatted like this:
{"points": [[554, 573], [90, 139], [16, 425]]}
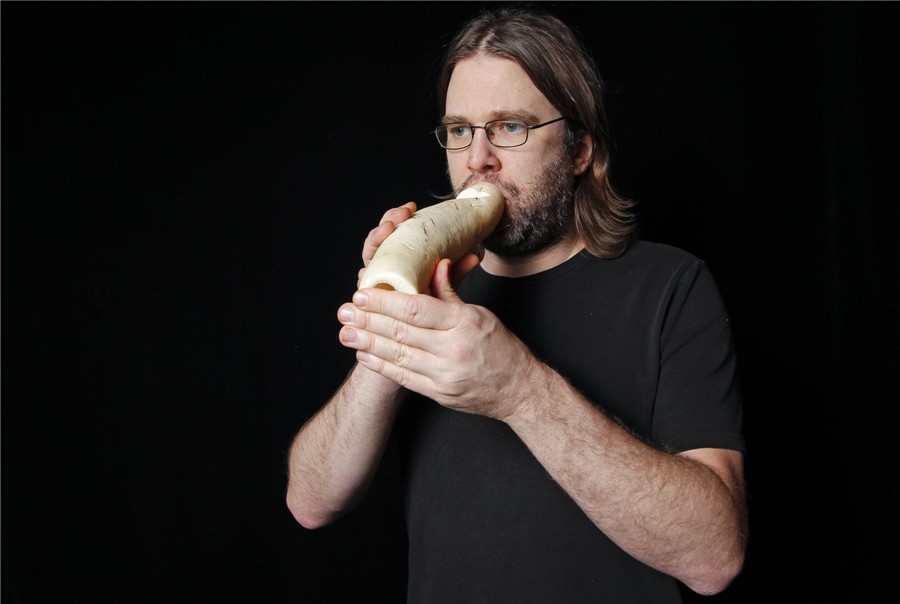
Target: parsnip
{"points": [[406, 260]]}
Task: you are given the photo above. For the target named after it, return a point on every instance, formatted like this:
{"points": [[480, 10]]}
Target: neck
{"points": [[522, 266]]}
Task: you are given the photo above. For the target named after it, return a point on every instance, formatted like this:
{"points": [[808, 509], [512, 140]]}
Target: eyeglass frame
{"points": [[473, 127]]}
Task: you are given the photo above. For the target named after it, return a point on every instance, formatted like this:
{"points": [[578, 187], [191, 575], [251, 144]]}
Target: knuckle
{"points": [[363, 340], [378, 365], [402, 377], [458, 352], [410, 310], [401, 356], [470, 320], [399, 331]]}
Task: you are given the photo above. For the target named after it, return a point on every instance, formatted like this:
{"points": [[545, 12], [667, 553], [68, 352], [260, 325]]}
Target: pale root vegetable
{"points": [[406, 260]]}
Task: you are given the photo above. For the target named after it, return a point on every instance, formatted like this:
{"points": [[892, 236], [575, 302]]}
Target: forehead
{"points": [[485, 87]]}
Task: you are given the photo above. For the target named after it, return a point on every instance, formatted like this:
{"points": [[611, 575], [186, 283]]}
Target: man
{"points": [[569, 420]]}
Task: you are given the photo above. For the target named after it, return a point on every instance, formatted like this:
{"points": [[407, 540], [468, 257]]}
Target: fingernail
{"points": [[348, 335], [345, 315], [360, 299]]}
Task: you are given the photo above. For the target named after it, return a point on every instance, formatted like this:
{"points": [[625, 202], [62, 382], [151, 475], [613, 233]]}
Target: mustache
{"points": [[509, 190]]}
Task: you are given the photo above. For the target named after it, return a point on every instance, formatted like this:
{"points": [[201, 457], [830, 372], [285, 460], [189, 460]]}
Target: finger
{"points": [[441, 287], [400, 375], [389, 222], [418, 310], [462, 267], [394, 359], [398, 215], [365, 326], [406, 365], [375, 238]]}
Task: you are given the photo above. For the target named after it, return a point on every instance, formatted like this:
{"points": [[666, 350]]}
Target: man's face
{"points": [[537, 178]]}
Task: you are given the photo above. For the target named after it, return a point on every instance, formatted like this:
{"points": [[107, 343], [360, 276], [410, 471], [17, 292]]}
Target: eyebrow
{"points": [[511, 114]]}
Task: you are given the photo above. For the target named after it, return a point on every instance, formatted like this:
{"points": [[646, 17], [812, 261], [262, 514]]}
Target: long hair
{"points": [[561, 68]]}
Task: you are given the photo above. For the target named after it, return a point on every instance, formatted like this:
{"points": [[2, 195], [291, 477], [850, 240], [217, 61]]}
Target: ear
{"points": [[582, 154]]}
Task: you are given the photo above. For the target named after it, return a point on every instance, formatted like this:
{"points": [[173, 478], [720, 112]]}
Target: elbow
{"points": [[308, 516], [714, 579], [720, 565], [314, 506]]}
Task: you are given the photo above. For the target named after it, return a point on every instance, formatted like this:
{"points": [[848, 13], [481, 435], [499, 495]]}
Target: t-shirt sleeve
{"points": [[699, 402]]}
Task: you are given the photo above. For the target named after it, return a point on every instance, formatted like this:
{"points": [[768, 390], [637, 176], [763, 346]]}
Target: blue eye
{"points": [[458, 131], [512, 127]]}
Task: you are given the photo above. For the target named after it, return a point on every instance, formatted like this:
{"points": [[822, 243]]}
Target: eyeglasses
{"points": [[500, 133]]}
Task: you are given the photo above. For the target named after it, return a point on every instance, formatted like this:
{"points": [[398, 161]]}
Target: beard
{"points": [[538, 217]]}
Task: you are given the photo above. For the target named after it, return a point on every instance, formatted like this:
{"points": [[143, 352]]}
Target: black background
{"points": [[185, 191]]}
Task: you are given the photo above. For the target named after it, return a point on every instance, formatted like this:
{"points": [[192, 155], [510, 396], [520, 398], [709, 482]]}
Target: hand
{"points": [[389, 222], [458, 354]]}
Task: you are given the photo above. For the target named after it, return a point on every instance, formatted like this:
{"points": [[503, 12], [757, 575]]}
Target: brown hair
{"points": [[560, 67]]}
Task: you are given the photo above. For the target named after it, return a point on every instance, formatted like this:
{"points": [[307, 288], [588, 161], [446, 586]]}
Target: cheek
{"points": [[457, 169]]}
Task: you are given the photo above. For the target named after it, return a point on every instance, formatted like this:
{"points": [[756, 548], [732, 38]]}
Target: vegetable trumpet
{"points": [[406, 260]]}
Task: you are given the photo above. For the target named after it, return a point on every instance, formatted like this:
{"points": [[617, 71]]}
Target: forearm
{"points": [[669, 511], [335, 455]]}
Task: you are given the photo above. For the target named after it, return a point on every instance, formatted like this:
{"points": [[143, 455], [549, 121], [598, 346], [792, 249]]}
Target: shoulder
{"points": [[652, 272], [652, 251], [651, 258]]}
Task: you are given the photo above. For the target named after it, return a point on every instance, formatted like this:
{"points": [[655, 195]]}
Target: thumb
{"points": [[441, 287], [462, 267]]}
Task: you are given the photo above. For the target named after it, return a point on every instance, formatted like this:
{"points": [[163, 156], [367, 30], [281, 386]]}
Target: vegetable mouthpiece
{"points": [[406, 260]]}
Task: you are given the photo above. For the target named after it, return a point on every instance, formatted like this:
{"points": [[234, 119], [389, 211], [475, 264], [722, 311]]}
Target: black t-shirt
{"points": [[646, 338]]}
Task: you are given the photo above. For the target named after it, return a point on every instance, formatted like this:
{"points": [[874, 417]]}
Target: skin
{"points": [[683, 514]]}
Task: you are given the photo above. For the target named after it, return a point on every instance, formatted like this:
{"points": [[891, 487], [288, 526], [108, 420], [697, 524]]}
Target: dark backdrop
{"points": [[185, 191]]}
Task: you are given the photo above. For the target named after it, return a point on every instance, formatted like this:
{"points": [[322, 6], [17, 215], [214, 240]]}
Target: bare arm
{"points": [[681, 514], [334, 457]]}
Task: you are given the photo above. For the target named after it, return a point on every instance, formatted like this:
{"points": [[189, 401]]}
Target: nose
{"points": [[482, 154]]}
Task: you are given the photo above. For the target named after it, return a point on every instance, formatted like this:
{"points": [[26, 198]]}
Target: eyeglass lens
{"points": [[502, 133]]}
